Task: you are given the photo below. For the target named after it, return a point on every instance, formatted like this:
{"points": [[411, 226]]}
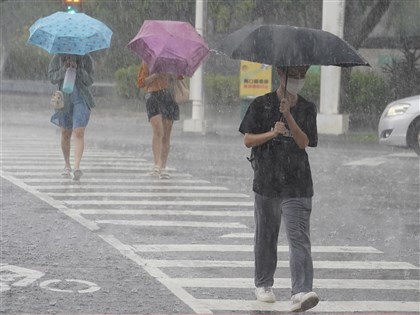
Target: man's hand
{"points": [[280, 128], [285, 107]]}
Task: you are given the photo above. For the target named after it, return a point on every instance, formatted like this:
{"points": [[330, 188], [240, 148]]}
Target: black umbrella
{"points": [[283, 45]]}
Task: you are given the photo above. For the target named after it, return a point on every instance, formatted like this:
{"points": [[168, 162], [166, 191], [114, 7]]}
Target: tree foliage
{"points": [[125, 17]]}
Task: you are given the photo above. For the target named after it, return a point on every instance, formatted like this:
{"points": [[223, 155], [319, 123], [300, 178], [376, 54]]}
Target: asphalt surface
{"points": [[366, 195]]}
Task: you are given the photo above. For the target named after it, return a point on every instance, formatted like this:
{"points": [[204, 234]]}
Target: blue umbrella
{"points": [[65, 33]]}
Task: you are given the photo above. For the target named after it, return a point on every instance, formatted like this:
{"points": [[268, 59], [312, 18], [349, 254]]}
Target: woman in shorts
{"points": [[162, 110], [74, 117]]}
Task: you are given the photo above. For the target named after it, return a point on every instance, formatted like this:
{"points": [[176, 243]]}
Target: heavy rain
{"points": [[210, 157]]}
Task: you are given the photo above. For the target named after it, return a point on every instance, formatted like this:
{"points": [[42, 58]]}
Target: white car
{"points": [[400, 123]]}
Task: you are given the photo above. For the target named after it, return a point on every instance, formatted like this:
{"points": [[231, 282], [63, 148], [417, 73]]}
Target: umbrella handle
{"points": [[282, 119]]}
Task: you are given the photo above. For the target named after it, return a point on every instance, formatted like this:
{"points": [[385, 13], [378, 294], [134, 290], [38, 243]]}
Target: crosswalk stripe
{"points": [[162, 203], [28, 154], [247, 248], [90, 164], [284, 283], [100, 181], [211, 213], [231, 225], [93, 175], [139, 187], [328, 264], [323, 306], [238, 235], [150, 194], [91, 169], [89, 158]]}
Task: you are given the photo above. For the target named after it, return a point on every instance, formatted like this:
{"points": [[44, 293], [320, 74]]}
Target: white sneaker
{"points": [[303, 301], [265, 294]]}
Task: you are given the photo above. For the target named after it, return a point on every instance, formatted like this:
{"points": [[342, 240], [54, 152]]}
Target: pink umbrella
{"points": [[169, 46]]}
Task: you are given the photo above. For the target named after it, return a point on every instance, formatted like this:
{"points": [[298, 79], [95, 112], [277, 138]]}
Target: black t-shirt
{"points": [[281, 168]]}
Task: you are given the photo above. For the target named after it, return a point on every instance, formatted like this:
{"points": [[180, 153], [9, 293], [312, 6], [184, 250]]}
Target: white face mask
{"points": [[295, 85]]}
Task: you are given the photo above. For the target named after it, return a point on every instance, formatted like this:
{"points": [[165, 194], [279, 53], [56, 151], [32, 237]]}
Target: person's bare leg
{"points": [[79, 146], [166, 141], [65, 146], [157, 127]]}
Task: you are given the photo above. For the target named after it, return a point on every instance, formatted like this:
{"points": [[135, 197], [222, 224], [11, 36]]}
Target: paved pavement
{"points": [[122, 242]]}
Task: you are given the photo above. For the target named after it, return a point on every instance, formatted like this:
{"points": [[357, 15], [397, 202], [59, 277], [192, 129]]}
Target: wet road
{"points": [[122, 242]]}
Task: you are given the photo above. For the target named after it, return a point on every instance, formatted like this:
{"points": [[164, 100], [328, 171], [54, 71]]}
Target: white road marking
{"points": [[247, 248], [28, 154], [91, 168], [10, 158], [239, 235], [210, 213], [53, 174], [330, 264], [10, 273], [179, 292], [48, 170], [100, 181], [138, 187], [284, 283], [372, 161], [29, 163], [91, 287], [162, 203], [91, 225], [408, 154], [231, 225], [323, 306], [149, 194]]}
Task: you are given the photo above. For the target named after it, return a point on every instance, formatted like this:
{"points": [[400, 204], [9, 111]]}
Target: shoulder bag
{"points": [[57, 101], [181, 92]]}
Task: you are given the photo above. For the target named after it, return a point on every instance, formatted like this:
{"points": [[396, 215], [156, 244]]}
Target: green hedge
{"points": [[126, 82], [26, 62], [312, 88], [221, 91], [369, 93]]}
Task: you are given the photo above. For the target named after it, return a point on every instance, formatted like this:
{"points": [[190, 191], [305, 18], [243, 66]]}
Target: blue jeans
{"points": [[77, 116], [295, 212]]}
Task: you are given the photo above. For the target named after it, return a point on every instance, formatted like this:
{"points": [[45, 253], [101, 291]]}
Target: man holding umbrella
{"points": [[278, 126]]}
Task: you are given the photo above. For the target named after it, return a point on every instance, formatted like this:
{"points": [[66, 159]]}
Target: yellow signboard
{"points": [[255, 79]]}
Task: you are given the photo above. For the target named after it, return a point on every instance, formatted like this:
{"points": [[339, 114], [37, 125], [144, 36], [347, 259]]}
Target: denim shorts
{"points": [[162, 103], [77, 116]]}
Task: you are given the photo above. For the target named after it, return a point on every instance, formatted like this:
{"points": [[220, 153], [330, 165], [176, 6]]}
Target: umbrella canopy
{"points": [[283, 45], [65, 33], [169, 46]]}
